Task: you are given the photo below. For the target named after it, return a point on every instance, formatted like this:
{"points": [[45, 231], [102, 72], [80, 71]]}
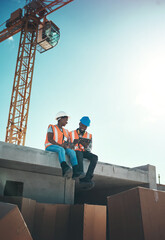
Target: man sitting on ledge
{"points": [[57, 139], [82, 142]]}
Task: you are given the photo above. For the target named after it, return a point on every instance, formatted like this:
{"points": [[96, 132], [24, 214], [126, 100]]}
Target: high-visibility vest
{"points": [[58, 136], [74, 135]]}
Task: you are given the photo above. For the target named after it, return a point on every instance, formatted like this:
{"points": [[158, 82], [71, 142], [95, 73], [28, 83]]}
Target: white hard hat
{"points": [[61, 114]]}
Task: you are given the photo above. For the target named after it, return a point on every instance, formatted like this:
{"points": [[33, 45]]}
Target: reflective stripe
{"points": [[48, 144], [56, 134], [88, 135], [67, 132], [73, 136]]}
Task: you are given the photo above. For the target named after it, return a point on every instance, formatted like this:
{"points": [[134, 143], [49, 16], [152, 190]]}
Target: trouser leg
{"points": [[93, 161], [58, 149], [61, 155], [79, 155], [72, 156]]}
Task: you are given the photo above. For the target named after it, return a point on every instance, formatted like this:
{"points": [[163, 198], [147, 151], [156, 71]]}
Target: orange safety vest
{"points": [[74, 135], [58, 136]]}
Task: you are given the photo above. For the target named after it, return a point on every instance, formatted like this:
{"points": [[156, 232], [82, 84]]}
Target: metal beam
{"points": [[20, 99]]}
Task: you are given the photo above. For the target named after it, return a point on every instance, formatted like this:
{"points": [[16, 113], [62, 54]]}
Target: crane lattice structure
{"points": [[36, 33]]}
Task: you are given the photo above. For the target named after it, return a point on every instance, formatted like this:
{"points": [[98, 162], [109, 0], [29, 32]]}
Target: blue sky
{"points": [[108, 65]]}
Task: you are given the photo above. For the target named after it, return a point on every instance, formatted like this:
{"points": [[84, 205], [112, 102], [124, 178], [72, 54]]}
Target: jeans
{"points": [[61, 153], [93, 161]]}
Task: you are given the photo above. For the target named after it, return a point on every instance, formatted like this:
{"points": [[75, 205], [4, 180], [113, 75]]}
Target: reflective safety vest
{"points": [[58, 136], [74, 135]]}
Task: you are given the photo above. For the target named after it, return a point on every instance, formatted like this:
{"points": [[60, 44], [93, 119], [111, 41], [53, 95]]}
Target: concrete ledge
{"points": [[107, 176], [29, 159], [119, 172], [38, 170], [40, 161]]}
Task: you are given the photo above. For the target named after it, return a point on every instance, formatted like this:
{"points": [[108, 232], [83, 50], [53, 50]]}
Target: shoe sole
{"points": [[82, 176], [86, 186], [66, 174], [79, 177]]}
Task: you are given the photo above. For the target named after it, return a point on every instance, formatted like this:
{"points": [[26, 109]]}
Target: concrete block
{"points": [[40, 187]]}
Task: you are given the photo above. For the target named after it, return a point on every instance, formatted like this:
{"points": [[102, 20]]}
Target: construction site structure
{"points": [[36, 33]]}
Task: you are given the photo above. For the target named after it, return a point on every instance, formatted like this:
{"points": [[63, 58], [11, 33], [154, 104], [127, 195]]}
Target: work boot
{"points": [[86, 183], [77, 173], [65, 169], [82, 175]]}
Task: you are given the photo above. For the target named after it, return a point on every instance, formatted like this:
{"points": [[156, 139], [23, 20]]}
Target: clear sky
{"points": [[109, 65]]}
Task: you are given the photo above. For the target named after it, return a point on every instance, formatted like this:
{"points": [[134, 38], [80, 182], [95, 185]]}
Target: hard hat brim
{"points": [[61, 117]]}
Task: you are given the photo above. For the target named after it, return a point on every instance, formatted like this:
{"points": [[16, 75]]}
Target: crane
{"points": [[36, 33]]}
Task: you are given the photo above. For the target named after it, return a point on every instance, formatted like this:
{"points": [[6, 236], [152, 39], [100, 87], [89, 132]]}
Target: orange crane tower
{"points": [[36, 33]]}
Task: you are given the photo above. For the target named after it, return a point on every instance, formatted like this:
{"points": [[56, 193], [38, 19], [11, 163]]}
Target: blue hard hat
{"points": [[85, 120]]}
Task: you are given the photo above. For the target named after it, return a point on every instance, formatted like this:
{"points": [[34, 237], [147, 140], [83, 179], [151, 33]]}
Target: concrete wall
{"points": [[40, 187], [40, 173], [151, 175]]}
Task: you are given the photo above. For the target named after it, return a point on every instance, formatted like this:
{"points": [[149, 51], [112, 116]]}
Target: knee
{"points": [[95, 158], [62, 150], [79, 153], [72, 153]]}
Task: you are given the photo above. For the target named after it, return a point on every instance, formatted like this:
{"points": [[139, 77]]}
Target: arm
{"points": [[72, 144], [75, 141], [89, 148], [50, 139]]}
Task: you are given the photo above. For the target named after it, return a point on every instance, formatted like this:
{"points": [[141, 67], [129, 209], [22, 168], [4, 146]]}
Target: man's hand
{"points": [[75, 141], [65, 145], [72, 144], [84, 143]]}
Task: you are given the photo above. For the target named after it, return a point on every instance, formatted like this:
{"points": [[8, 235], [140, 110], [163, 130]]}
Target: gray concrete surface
{"points": [[40, 187], [40, 172]]}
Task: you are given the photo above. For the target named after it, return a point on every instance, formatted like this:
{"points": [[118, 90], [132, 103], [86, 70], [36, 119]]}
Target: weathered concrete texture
{"points": [[29, 159], [151, 175], [40, 187], [40, 172]]}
